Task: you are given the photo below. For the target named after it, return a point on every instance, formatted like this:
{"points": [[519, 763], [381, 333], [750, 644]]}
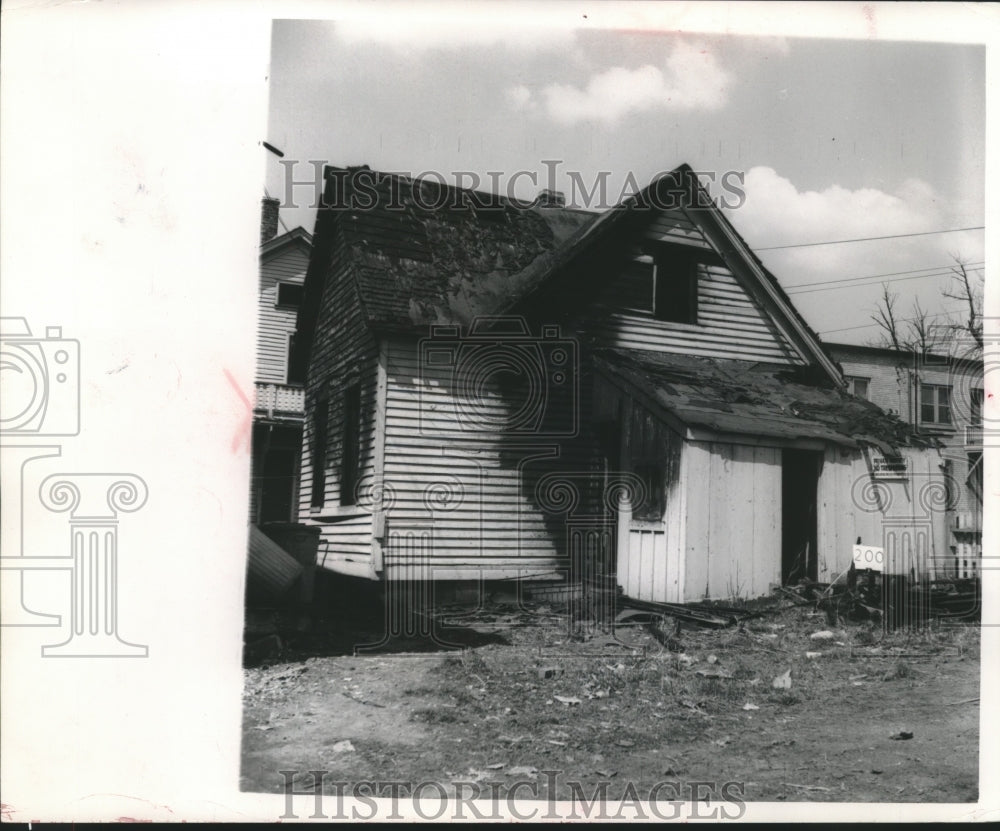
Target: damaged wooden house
{"points": [[499, 390]]}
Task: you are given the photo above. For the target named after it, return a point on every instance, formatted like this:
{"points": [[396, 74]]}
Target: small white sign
{"points": [[868, 556]]}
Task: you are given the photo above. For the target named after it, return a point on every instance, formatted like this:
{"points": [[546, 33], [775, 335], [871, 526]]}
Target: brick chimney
{"points": [[268, 219], [548, 198]]}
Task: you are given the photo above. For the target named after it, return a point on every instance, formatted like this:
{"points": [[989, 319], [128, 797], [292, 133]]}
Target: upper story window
{"points": [[935, 404], [857, 386], [675, 286], [319, 446], [350, 448], [289, 295], [976, 406]]}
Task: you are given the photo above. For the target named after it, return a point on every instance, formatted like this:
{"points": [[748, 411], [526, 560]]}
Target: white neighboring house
{"points": [[939, 395], [278, 404]]}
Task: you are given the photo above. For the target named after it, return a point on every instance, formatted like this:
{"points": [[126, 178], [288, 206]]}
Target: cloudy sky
{"points": [[836, 139]]}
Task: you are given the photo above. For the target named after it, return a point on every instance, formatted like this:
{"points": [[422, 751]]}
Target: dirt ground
{"points": [[520, 692]]}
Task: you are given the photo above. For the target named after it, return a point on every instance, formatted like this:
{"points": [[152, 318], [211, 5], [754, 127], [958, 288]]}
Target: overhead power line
{"points": [[974, 266], [875, 282], [873, 323], [868, 239]]}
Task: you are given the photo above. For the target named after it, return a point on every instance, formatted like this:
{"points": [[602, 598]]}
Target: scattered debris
{"points": [[625, 743], [783, 681], [496, 766], [361, 700], [545, 673], [810, 787], [344, 746], [712, 659], [713, 673], [750, 706], [825, 635], [607, 774], [902, 736], [813, 655], [568, 700], [523, 770]]}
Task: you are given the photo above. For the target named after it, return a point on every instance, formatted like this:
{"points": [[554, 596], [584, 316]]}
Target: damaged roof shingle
{"points": [[427, 253], [741, 397]]}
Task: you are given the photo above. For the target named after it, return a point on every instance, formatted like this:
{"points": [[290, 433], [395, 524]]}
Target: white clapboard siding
{"points": [[733, 520], [730, 324], [275, 325], [464, 503], [676, 226]]}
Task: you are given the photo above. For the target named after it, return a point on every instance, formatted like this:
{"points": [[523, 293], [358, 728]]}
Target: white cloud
{"points": [[690, 78], [915, 263]]}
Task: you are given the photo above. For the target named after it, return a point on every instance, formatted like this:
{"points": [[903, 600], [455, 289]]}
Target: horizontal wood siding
{"points": [[344, 353], [676, 226], [733, 533], [275, 325], [466, 503], [730, 324]]}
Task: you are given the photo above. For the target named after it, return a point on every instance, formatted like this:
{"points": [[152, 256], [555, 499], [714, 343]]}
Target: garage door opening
{"points": [[799, 480]]}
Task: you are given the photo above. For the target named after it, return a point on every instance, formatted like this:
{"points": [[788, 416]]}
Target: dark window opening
{"points": [[675, 287], [319, 439], [295, 372], [289, 295], [857, 386], [935, 404], [976, 406], [350, 447], [654, 481], [974, 478]]}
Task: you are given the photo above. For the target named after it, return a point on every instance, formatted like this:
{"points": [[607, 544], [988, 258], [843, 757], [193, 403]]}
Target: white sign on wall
{"points": [[869, 556]]}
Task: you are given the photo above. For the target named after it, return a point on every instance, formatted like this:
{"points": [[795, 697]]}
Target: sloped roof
{"points": [[422, 252], [426, 253], [298, 234], [745, 398]]}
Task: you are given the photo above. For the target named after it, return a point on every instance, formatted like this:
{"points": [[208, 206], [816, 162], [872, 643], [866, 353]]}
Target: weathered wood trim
{"points": [[742, 263], [700, 434], [379, 520]]}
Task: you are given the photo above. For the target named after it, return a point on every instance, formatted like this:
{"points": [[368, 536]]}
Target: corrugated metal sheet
{"points": [[269, 567]]}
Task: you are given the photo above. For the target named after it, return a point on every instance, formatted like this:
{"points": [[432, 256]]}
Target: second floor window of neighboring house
{"points": [[675, 292], [935, 404], [351, 446], [288, 296], [857, 386], [976, 407]]}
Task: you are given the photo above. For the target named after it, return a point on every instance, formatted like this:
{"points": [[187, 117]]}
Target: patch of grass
{"points": [[785, 699], [434, 715], [414, 691], [899, 670]]}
